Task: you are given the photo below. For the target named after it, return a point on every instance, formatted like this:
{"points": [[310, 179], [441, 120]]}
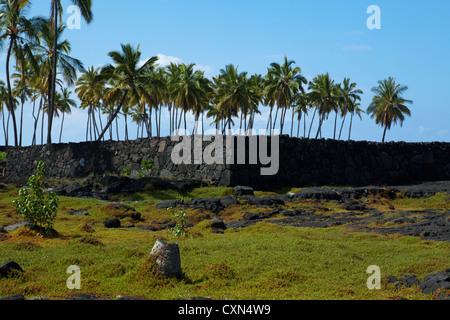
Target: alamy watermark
{"points": [[236, 147], [73, 22], [374, 21], [74, 281]]}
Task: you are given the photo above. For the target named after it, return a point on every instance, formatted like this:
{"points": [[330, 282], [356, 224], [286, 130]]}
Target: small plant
{"points": [[126, 172], [180, 228], [36, 205], [2, 156], [147, 166]]}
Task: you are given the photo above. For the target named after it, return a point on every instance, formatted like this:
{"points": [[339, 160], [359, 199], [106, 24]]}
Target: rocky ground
{"points": [[365, 209]]}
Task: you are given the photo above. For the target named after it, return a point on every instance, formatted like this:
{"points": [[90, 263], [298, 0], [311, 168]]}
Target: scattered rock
{"points": [[435, 281], [112, 223], [127, 298], [8, 268], [83, 212], [218, 224], [16, 297], [168, 258], [168, 204], [243, 191]]}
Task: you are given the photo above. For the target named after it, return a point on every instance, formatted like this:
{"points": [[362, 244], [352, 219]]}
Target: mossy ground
{"points": [[264, 261]]}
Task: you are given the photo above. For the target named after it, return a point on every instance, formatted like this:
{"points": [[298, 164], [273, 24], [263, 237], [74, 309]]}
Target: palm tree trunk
{"points": [[4, 128], [312, 121], [11, 104], [335, 125], [114, 116], [36, 121], [54, 73], [350, 129], [62, 125], [21, 122], [384, 134], [319, 131], [342, 126], [292, 121]]}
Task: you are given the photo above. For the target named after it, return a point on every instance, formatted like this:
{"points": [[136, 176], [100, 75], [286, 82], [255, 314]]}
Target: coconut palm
{"points": [[354, 108], [302, 103], [190, 92], [20, 32], [232, 93], [67, 66], [388, 107], [90, 88], [349, 97], [324, 96], [63, 105], [85, 7], [129, 76], [283, 83]]}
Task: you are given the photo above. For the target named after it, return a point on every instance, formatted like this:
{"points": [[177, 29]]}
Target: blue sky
{"points": [[320, 36]]}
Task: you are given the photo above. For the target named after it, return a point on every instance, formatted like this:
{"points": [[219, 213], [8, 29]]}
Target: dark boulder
{"points": [[8, 268], [435, 281], [243, 191], [218, 224], [112, 223]]}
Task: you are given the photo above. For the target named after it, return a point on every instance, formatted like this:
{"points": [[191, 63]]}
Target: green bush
{"points": [[180, 228], [2, 156], [34, 204]]}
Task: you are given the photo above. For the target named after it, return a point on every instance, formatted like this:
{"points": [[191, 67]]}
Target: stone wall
{"points": [[303, 162]]}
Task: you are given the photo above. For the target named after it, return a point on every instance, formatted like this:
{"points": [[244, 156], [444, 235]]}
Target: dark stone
{"points": [[8, 268], [168, 204], [228, 201], [435, 281], [218, 224], [243, 191], [16, 297], [112, 223]]}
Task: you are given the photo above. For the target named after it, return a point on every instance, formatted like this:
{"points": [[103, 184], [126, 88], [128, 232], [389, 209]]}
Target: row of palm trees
{"points": [[141, 90], [41, 60]]}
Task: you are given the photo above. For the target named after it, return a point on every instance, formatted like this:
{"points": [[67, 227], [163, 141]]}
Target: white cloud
{"points": [[443, 132], [357, 47], [164, 61]]}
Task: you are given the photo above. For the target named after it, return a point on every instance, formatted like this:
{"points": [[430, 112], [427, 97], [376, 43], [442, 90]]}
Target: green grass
{"points": [[265, 261]]}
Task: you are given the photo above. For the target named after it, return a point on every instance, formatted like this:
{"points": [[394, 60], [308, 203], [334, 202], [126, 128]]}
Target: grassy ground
{"points": [[265, 261]]}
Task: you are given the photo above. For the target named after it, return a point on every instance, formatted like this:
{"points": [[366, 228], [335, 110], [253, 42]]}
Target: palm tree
{"points": [[67, 66], [388, 106], [353, 108], [90, 88], [20, 32], [283, 83], [349, 97], [190, 92], [324, 96], [63, 104], [302, 103], [232, 93], [129, 76], [85, 7]]}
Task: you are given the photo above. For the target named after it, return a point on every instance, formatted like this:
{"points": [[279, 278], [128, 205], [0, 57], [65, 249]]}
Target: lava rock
{"points": [[435, 281], [8, 268], [218, 224], [243, 191], [112, 223]]}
